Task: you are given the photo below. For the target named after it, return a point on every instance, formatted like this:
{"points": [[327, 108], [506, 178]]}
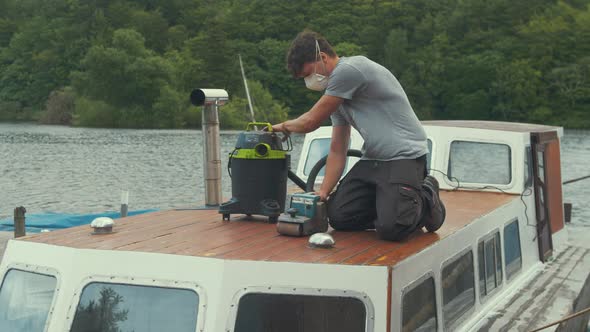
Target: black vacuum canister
{"points": [[258, 167]]}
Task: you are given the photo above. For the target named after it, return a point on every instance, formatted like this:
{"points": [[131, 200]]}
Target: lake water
{"points": [[83, 170]]}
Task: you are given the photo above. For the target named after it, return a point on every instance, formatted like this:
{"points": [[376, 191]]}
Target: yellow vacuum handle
{"points": [[259, 124]]}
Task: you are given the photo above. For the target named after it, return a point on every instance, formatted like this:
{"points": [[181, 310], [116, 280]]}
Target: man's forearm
{"points": [[312, 119], [301, 125], [334, 168]]}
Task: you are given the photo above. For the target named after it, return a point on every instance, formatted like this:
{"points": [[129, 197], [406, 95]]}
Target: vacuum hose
{"points": [[308, 187], [297, 180]]}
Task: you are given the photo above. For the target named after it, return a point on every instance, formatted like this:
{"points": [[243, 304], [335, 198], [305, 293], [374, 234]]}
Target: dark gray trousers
{"points": [[383, 195]]}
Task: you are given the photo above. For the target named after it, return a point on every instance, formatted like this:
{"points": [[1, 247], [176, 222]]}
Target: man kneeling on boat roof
{"points": [[388, 189]]}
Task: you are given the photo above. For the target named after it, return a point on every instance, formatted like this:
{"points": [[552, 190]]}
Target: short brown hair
{"points": [[303, 50]]}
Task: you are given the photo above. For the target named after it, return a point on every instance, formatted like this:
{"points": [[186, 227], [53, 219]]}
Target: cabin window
{"points": [[419, 307], [475, 162], [294, 313], [489, 255], [105, 307], [25, 301], [512, 249], [458, 288], [318, 149]]}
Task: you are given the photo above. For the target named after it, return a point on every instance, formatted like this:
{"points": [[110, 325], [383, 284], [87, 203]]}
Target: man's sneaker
{"points": [[436, 212]]}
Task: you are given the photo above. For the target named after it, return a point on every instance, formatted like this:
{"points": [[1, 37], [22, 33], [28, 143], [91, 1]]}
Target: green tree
{"points": [[171, 109], [517, 90], [133, 63], [101, 316], [59, 108], [396, 51], [236, 114], [570, 83], [130, 78]]}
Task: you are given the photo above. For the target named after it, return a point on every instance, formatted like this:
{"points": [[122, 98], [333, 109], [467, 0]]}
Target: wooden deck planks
{"points": [[203, 233], [462, 208], [344, 241], [82, 231], [316, 253], [364, 240], [134, 232], [227, 233]]}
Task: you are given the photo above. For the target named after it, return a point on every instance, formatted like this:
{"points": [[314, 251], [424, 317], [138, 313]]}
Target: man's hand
{"points": [[279, 127], [323, 195]]}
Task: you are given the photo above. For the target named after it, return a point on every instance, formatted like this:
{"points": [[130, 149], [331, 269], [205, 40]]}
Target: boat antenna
{"points": [[247, 91]]}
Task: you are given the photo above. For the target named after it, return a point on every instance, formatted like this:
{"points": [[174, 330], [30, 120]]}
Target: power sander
{"points": [[306, 215]]}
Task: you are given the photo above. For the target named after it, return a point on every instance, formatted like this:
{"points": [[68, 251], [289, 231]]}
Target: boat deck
{"points": [[203, 233]]}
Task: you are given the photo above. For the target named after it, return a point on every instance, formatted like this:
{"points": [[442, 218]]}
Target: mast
{"points": [[247, 91]]}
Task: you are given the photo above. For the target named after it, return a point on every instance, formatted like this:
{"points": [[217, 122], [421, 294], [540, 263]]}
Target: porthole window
{"points": [[294, 313], [106, 307], [490, 264], [458, 288], [512, 251], [25, 301], [419, 307]]}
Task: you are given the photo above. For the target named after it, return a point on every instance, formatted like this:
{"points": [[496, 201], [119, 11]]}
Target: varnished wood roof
{"points": [[492, 125], [203, 233]]}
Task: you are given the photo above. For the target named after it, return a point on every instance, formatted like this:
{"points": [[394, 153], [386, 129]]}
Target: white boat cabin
{"points": [[187, 270]]}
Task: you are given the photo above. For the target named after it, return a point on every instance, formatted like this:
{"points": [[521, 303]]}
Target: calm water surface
{"points": [[82, 170]]}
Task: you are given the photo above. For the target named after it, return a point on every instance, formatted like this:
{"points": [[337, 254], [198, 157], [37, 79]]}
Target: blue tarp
{"points": [[36, 222]]}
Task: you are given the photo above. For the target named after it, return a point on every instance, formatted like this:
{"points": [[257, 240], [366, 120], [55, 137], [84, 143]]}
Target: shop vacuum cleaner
{"points": [[259, 167]]}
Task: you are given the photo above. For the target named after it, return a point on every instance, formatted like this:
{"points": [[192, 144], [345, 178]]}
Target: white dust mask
{"points": [[315, 81]]}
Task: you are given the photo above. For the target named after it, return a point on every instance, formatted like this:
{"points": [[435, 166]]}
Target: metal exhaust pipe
{"points": [[211, 99]]}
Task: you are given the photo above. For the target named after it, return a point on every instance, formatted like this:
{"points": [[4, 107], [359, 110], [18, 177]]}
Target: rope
{"points": [[579, 313], [576, 180]]}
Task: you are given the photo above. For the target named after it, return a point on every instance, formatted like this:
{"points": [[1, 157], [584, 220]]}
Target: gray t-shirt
{"points": [[376, 105]]}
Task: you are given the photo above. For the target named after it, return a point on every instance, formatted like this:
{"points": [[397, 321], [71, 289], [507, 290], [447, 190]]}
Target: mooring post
{"points": [[19, 221], [124, 203], [567, 212]]}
